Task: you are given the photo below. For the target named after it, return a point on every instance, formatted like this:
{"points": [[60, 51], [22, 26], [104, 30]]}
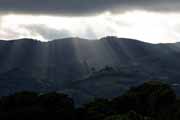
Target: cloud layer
{"points": [[85, 7], [46, 32], [147, 26]]}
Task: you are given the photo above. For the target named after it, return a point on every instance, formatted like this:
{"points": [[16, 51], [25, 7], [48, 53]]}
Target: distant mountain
{"points": [[86, 69]]}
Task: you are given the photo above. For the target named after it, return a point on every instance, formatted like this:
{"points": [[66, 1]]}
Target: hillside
{"points": [[85, 68]]}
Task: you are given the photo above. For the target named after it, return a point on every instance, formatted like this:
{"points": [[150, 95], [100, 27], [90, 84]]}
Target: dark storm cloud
{"points": [[85, 7]]}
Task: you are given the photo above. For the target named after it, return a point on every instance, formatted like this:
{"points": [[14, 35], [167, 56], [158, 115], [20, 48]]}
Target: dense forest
{"points": [[152, 100]]}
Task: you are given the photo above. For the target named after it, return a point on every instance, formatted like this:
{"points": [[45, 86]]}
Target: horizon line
{"points": [[102, 38]]}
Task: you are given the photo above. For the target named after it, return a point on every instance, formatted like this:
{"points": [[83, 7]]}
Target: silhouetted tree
{"points": [[18, 100], [128, 116], [30, 105], [96, 110], [57, 105], [150, 98]]}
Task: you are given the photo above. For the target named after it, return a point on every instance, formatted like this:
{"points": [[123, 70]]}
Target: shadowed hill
{"points": [[79, 67]]}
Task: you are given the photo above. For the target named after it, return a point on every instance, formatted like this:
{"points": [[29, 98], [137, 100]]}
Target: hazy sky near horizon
{"points": [[152, 21]]}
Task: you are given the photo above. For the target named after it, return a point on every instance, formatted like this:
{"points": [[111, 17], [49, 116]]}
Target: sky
{"points": [[154, 21]]}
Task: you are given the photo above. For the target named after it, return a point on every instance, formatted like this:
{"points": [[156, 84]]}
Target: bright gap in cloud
{"points": [[146, 26]]}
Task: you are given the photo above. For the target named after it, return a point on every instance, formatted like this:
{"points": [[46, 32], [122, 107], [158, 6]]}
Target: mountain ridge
{"points": [[88, 68], [66, 38]]}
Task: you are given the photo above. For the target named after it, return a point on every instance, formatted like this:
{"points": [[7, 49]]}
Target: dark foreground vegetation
{"points": [[150, 101]]}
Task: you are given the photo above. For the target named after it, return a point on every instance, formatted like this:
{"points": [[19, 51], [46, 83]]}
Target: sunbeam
{"points": [[147, 26]]}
